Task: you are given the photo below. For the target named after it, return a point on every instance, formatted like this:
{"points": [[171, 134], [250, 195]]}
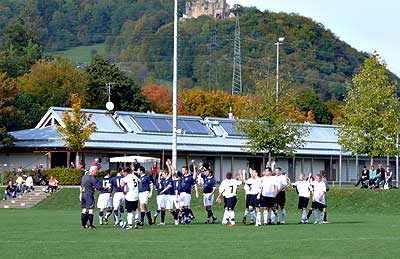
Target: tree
{"points": [[78, 127], [371, 112], [159, 97], [8, 92], [267, 124], [50, 83], [209, 103], [21, 49], [308, 101], [125, 94]]}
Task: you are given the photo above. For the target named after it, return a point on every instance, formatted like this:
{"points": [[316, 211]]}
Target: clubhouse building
{"points": [[147, 134]]}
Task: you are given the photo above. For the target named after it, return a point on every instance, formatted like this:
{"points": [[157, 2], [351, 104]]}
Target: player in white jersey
{"points": [[319, 201], [269, 189], [282, 183], [252, 187], [228, 189], [130, 186], [303, 190]]}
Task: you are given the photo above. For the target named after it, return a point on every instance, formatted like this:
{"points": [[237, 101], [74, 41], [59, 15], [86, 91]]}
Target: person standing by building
{"points": [[88, 186]]}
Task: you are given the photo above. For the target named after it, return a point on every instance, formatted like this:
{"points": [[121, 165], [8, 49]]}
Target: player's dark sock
{"points": [[109, 212], [309, 214], [325, 217], [101, 214], [209, 214], [90, 217], [115, 216], [191, 215], [142, 213], [174, 214], [148, 215], [84, 219], [163, 216]]}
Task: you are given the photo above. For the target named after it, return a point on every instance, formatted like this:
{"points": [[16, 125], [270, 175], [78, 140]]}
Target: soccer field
{"points": [[363, 223]]}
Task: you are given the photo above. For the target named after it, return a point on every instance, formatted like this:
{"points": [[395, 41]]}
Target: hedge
{"points": [[65, 176]]}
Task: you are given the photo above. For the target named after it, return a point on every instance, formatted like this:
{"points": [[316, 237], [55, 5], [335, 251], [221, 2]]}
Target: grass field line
{"points": [[230, 241]]}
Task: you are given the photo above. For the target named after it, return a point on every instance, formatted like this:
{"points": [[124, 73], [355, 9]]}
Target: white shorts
{"points": [[144, 197], [118, 200], [167, 202], [206, 201], [104, 201], [185, 199], [159, 199]]}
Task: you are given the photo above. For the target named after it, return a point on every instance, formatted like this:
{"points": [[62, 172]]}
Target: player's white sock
{"points": [[322, 216], [246, 212], [258, 218], [265, 216], [276, 215], [283, 214], [315, 215], [232, 217], [136, 215], [130, 218], [253, 215], [226, 217], [304, 215]]}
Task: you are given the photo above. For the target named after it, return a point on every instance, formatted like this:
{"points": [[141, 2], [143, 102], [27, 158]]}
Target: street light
{"points": [[279, 42]]}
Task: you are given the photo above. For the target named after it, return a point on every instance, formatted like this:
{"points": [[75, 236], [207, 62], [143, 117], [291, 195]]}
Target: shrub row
{"points": [[65, 176]]}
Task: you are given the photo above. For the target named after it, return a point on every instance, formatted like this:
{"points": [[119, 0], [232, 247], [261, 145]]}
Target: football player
{"points": [[130, 185], [303, 190], [145, 193], [208, 194], [319, 202], [167, 193], [282, 183], [87, 189], [252, 187], [228, 189], [268, 192], [118, 198], [104, 200]]}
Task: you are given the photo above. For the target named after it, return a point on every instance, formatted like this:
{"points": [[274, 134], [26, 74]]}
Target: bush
{"points": [[65, 176]]}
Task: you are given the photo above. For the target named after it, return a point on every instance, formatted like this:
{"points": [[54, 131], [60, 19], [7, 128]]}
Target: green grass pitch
{"points": [[363, 223]]}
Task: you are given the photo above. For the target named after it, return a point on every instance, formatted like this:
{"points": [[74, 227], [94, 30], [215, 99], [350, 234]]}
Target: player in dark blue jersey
{"points": [[177, 181], [118, 198], [159, 196], [105, 198], [188, 182], [167, 192], [208, 194], [145, 192]]}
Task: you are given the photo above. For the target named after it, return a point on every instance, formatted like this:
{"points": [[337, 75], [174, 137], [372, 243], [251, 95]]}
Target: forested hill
{"points": [[138, 36]]}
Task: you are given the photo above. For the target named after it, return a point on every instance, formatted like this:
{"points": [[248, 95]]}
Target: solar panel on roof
{"points": [[163, 125], [194, 127], [146, 124], [230, 129]]}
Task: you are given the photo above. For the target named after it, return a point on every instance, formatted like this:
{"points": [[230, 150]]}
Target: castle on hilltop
{"points": [[214, 8]]}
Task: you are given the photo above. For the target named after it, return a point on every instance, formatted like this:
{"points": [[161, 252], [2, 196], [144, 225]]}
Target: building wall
{"points": [[26, 160]]}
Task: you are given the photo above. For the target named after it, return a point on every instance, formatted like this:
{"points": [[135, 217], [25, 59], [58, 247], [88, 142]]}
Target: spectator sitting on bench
{"points": [[10, 191], [372, 176], [364, 178], [20, 184], [53, 184], [388, 177], [380, 176], [29, 183]]}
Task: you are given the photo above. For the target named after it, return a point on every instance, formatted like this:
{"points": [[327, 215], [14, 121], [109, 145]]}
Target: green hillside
{"points": [[138, 36], [82, 54]]}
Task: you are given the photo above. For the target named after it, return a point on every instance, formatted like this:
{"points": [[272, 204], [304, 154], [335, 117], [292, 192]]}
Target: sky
{"points": [[366, 25]]}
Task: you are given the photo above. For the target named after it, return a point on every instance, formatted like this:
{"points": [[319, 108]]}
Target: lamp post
{"points": [[175, 87], [397, 159], [279, 42]]}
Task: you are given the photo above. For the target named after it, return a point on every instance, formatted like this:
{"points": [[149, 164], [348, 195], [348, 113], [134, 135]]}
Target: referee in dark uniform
{"points": [[88, 186]]}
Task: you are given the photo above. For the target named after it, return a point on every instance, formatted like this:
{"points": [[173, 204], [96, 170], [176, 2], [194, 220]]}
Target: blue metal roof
{"points": [[122, 131]]}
